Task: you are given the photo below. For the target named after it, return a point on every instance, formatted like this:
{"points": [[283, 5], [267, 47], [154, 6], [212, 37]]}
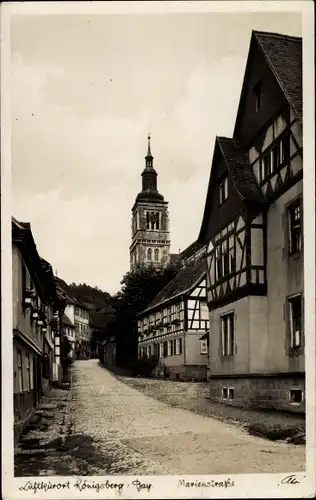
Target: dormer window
{"points": [[223, 190], [257, 90]]}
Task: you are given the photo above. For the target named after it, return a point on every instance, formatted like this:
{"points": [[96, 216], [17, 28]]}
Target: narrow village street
{"points": [[112, 428]]}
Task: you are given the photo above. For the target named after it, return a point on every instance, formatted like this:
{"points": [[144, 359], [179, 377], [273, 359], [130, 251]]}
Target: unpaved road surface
{"points": [[116, 429], [146, 436]]}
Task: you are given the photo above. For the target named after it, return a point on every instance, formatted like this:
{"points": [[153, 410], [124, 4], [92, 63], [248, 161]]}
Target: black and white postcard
{"points": [[158, 249]]}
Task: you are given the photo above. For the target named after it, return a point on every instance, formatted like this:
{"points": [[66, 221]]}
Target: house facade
{"points": [[253, 231], [82, 326], [69, 330], [171, 327], [36, 306], [150, 221]]}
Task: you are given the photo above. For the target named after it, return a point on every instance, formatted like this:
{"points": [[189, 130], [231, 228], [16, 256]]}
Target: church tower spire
{"points": [[150, 220], [149, 176], [149, 155]]}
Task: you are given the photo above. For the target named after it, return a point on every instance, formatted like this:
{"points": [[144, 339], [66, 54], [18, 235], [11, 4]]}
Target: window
{"points": [[227, 330], [165, 349], [295, 304], [295, 229], [257, 90], [149, 351], [149, 254], [169, 314], [219, 267], [20, 374], [156, 255], [231, 250], [156, 350], [225, 258], [275, 157], [284, 149], [180, 346], [224, 393], [177, 311], [169, 352], [175, 351], [296, 396], [230, 393], [28, 372], [157, 220], [203, 345], [147, 220], [223, 190], [265, 165]]}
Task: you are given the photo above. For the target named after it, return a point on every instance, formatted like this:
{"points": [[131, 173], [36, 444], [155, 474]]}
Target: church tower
{"points": [[150, 221]]}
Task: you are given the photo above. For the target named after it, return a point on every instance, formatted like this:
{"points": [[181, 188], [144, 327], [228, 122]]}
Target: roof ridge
{"points": [[183, 270], [278, 35]]}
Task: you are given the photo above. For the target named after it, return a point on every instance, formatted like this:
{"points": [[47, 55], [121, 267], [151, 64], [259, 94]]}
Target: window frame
{"points": [[205, 344], [292, 228], [296, 389], [228, 344], [292, 299], [223, 189]]}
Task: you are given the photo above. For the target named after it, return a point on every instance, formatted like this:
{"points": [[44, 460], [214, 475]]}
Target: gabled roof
{"points": [[184, 281], [241, 175], [283, 54], [40, 269], [238, 166], [191, 250], [62, 285], [67, 321]]}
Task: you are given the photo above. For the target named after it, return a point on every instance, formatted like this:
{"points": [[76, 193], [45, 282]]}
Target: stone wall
{"points": [[260, 392]]}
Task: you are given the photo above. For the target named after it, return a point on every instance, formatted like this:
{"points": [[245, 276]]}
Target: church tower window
{"points": [[149, 254], [156, 254]]}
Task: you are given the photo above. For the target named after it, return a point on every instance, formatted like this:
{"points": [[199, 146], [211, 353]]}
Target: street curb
{"points": [[67, 421]]}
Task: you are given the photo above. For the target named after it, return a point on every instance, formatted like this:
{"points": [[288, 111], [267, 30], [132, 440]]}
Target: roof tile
{"points": [[241, 172], [284, 55]]}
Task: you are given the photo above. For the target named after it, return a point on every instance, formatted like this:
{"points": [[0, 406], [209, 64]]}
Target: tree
{"points": [[139, 287]]}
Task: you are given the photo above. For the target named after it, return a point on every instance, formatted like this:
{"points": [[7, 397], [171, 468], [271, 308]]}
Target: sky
{"points": [[85, 92]]}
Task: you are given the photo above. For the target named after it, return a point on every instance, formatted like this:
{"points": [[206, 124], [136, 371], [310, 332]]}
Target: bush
{"points": [[144, 367], [274, 432]]}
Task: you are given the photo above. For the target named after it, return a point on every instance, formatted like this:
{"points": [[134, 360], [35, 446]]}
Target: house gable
{"points": [[272, 75], [243, 189]]}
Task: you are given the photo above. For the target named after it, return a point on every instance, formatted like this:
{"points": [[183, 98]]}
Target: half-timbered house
{"points": [[252, 227], [172, 326], [36, 308]]}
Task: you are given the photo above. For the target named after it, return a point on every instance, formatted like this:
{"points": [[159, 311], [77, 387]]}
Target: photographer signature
{"points": [[292, 479]]}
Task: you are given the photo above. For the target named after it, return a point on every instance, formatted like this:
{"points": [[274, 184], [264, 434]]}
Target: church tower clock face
{"points": [[150, 224]]}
